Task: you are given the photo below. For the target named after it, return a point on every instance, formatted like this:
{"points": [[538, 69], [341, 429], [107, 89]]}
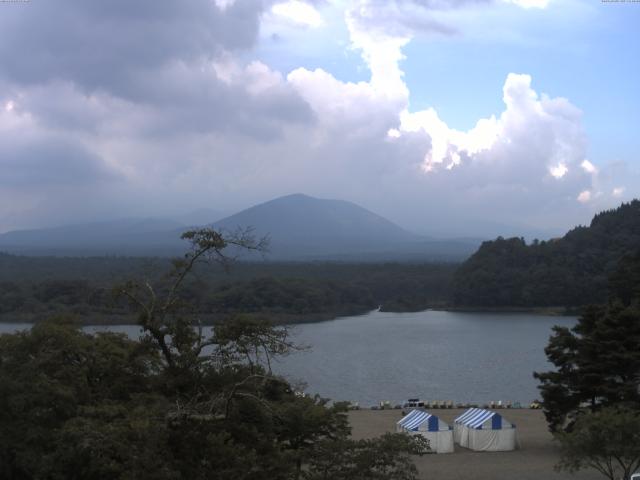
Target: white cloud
{"points": [[559, 170], [584, 196], [208, 126], [589, 167], [298, 12], [618, 192], [506, 164], [536, 135], [530, 3], [224, 4]]}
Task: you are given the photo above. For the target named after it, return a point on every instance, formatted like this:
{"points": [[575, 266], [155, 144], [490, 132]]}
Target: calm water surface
{"points": [[465, 357]]}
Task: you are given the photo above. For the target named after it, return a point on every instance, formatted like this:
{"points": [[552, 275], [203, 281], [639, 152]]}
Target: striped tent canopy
{"points": [[437, 432], [421, 420], [484, 431], [478, 418]]}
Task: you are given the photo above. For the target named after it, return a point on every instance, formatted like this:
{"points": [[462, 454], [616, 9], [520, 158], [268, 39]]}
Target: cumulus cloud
{"points": [[94, 89], [531, 157], [102, 45], [532, 133], [153, 108], [300, 13]]}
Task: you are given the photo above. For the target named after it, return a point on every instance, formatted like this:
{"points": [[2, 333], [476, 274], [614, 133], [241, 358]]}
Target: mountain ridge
{"points": [[300, 227]]}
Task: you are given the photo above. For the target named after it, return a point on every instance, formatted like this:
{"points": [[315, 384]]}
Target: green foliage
{"points": [[598, 360], [53, 375], [608, 441], [624, 283], [283, 292], [384, 458], [571, 271], [176, 404], [598, 364], [73, 405]]}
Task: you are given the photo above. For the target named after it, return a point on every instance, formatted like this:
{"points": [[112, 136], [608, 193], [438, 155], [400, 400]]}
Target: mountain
{"points": [[200, 216], [570, 271], [300, 228], [129, 236], [303, 224]]}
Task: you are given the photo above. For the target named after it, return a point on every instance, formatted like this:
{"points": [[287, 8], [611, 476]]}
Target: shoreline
{"points": [[558, 311], [282, 319]]}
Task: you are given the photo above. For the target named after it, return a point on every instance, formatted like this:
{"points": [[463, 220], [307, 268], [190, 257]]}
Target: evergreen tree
{"points": [[598, 360], [571, 271]]}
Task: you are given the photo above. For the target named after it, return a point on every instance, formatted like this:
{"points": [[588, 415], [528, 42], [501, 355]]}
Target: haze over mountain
{"points": [[303, 227], [128, 236], [300, 227]]}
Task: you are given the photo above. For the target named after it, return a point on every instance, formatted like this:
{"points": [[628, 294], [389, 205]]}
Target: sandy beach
{"points": [[533, 461]]}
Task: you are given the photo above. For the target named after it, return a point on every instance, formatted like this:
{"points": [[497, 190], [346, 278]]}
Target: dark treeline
{"points": [[571, 271], [34, 288]]}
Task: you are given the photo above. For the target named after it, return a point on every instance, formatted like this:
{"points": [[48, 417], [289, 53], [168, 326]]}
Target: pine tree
{"points": [[597, 361]]}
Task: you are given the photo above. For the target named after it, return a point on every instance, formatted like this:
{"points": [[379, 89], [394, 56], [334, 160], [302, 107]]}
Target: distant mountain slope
{"points": [[313, 225], [300, 228], [130, 236], [570, 271]]}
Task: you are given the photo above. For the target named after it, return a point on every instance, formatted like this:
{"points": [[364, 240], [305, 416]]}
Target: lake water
{"points": [[464, 357]]}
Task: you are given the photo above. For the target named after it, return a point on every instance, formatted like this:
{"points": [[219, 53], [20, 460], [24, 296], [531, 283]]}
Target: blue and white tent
{"points": [[420, 422], [484, 430]]}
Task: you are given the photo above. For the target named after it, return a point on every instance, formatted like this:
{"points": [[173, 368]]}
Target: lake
{"points": [[434, 355]]}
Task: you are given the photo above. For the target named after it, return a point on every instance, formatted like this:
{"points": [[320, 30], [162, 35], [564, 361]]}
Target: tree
{"points": [[571, 271], [598, 360], [55, 382], [608, 441], [176, 404], [384, 458], [161, 310], [598, 364], [307, 421], [624, 283]]}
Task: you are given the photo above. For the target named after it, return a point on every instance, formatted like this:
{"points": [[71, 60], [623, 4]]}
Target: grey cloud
{"points": [[128, 81], [132, 82], [143, 66], [36, 163], [99, 45], [187, 99]]}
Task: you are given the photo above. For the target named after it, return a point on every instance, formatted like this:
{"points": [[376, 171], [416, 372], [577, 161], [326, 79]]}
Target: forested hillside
{"points": [[34, 288], [570, 271]]}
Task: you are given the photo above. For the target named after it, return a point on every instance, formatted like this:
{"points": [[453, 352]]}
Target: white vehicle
{"points": [[635, 476]]}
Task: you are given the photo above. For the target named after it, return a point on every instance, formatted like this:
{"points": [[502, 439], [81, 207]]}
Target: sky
{"points": [[449, 117]]}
